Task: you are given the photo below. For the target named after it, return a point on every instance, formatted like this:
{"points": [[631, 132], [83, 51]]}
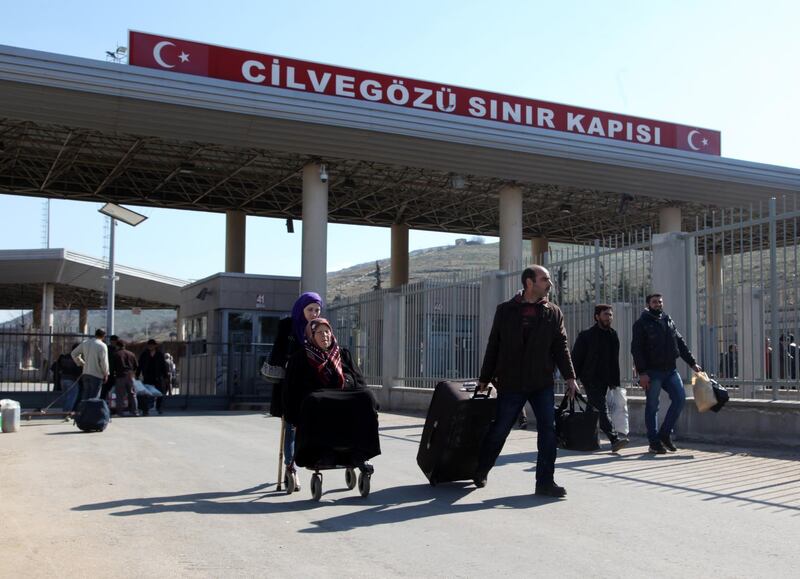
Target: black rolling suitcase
{"points": [[93, 415], [458, 419]]}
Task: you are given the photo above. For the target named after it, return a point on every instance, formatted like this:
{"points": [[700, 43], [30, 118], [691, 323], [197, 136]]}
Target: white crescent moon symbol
{"points": [[159, 47], [689, 139]]}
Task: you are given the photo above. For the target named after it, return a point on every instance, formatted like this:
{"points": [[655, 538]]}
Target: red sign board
{"points": [[183, 56]]}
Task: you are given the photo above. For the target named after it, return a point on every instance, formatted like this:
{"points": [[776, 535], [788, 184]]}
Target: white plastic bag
{"points": [[703, 392]]}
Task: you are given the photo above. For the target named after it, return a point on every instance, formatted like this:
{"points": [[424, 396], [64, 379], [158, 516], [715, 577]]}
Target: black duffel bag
{"points": [[576, 425]]}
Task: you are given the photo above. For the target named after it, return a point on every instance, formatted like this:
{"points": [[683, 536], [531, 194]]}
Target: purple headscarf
{"points": [[298, 318]]}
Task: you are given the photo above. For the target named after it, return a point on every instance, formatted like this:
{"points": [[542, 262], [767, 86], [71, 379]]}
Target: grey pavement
{"points": [[190, 495]]}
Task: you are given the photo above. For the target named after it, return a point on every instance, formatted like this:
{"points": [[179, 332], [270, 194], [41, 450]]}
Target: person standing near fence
{"points": [[526, 344], [595, 356], [124, 366], [67, 372], [92, 356], [791, 352], [655, 346], [153, 370]]}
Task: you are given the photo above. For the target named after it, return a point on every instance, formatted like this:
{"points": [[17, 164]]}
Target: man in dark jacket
{"points": [[154, 371], [655, 346], [526, 345], [123, 367], [595, 356]]}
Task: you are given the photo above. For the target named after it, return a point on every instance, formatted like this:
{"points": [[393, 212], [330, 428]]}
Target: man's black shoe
{"points": [[657, 448], [480, 479], [667, 442], [619, 443], [551, 490]]}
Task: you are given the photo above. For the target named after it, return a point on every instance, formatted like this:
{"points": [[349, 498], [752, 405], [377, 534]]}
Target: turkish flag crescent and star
{"points": [[176, 56], [697, 140]]}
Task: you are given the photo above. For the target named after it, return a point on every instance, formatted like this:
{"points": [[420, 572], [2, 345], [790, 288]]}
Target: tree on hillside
{"points": [[377, 275]]}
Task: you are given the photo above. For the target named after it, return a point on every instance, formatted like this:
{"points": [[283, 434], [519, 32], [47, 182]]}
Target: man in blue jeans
{"points": [[655, 346], [92, 357], [527, 342]]}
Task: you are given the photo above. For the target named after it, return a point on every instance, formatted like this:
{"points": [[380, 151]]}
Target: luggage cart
{"points": [[362, 480]]}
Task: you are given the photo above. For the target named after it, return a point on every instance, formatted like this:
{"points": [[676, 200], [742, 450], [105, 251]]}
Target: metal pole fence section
{"points": [[358, 326], [747, 307], [442, 330], [26, 359]]}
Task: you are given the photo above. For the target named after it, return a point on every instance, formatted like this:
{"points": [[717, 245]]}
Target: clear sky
{"points": [[728, 65]]}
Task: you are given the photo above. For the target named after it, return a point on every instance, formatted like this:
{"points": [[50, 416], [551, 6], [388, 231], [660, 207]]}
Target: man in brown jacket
{"points": [[526, 345], [124, 366]]}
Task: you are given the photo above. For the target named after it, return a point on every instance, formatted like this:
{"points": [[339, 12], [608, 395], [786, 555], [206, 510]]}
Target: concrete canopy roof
{"points": [[88, 130], [79, 281]]}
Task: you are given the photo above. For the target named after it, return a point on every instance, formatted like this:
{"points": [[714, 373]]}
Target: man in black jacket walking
{"points": [[655, 346], [527, 342], [153, 370], [595, 356]]}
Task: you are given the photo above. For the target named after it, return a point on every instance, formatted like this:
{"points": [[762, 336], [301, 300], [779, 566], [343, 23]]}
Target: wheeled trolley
{"points": [[351, 479], [338, 429]]}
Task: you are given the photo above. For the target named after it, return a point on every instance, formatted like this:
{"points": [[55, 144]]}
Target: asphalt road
{"points": [[188, 495]]}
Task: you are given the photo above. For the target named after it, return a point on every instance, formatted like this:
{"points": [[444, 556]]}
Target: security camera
{"points": [[323, 174]]}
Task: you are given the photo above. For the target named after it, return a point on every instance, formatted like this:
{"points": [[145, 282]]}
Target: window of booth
{"points": [[195, 331], [240, 330]]}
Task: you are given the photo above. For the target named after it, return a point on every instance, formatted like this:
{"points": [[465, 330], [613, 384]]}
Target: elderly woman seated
{"points": [[327, 400]]}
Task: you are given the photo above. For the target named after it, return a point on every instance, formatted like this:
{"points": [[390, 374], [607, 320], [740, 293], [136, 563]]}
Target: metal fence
{"points": [[26, 358], [201, 368], [441, 330], [748, 289], [223, 369]]}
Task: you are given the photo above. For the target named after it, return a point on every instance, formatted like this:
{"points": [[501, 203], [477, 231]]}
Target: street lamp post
{"points": [[116, 213]]}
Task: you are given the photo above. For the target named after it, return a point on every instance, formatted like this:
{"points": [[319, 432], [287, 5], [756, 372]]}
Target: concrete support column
{"points": [[491, 294], [315, 232], [510, 228], [750, 334], [47, 311], [399, 265], [181, 335], [539, 248], [48, 295], [669, 219], [712, 339], [675, 277], [83, 320], [393, 340], [235, 238]]}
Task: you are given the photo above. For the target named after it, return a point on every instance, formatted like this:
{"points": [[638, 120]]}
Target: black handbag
{"points": [[576, 425], [721, 394]]}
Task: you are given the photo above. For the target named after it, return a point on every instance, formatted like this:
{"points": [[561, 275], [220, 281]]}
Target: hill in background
{"points": [[422, 264], [157, 324]]}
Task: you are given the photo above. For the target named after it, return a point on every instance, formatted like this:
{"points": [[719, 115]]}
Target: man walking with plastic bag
{"points": [[655, 346], [595, 357]]}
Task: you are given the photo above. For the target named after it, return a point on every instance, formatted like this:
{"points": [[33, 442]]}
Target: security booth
{"points": [[229, 322]]}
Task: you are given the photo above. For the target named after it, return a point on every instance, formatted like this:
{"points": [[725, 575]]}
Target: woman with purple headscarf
{"points": [[290, 338]]}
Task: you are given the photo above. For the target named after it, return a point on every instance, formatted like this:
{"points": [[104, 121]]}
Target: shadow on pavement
{"points": [[385, 506], [241, 502], [410, 502], [69, 432]]}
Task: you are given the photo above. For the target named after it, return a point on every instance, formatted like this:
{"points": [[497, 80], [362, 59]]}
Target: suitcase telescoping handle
{"points": [[473, 387]]}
